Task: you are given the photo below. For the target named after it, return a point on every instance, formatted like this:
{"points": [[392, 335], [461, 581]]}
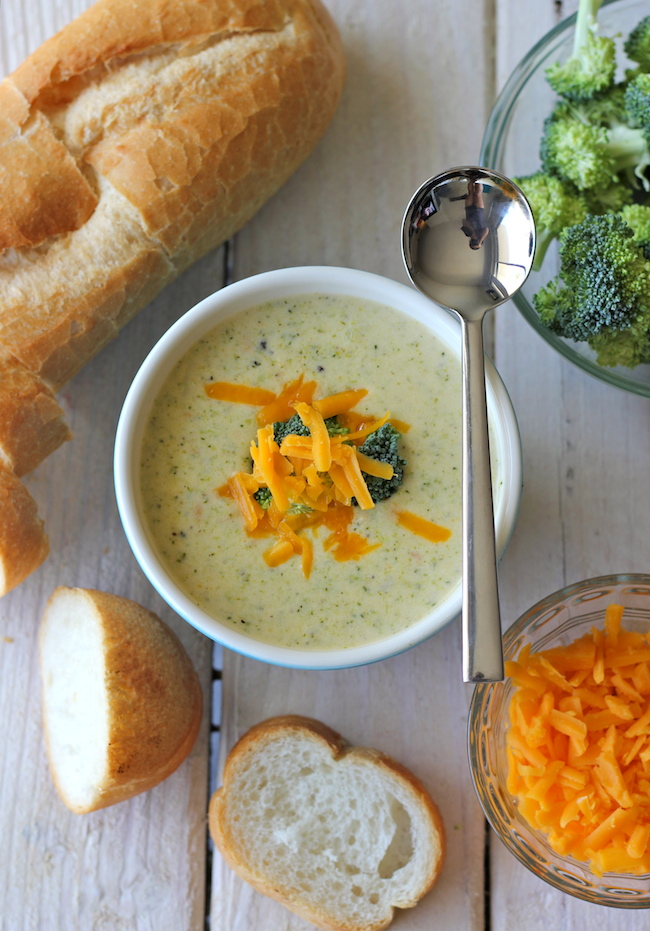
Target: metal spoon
{"points": [[468, 243]]}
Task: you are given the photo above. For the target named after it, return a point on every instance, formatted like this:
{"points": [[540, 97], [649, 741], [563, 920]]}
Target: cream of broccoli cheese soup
{"points": [[193, 444]]}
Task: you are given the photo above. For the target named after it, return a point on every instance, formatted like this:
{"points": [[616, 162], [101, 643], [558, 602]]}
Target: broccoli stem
{"points": [[586, 24], [629, 148], [543, 241]]}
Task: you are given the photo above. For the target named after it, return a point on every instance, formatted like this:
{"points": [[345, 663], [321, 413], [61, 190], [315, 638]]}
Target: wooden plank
{"points": [[413, 707], [140, 864], [584, 510], [409, 110]]}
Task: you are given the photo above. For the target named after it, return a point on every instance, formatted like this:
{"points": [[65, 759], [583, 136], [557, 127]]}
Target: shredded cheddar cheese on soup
{"points": [[312, 479]]}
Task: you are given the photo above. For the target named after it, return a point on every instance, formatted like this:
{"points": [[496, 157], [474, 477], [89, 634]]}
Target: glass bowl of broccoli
{"points": [[572, 126]]}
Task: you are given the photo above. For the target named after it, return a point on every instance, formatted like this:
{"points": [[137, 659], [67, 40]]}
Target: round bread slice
{"points": [[121, 699], [340, 835]]}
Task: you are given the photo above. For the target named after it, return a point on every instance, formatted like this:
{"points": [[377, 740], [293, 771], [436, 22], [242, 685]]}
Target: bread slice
{"points": [[23, 541], [121, 699], [340, 835]]}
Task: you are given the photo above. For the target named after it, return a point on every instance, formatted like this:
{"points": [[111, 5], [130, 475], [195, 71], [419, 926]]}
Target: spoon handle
{"points": [[481, 617]]}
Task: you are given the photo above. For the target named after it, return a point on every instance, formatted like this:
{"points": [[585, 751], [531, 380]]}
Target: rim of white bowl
{"points": [[202, 318]]}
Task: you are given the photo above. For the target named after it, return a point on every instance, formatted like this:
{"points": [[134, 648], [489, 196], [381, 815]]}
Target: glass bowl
{"points": [[556, 620], [511, 145]]}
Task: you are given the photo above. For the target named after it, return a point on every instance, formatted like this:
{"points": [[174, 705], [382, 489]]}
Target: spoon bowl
{"points": [[468, 241]]}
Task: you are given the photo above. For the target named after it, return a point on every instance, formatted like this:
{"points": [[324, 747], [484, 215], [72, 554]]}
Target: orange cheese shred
{"points": [[400, 425], [578, 746], [240, 489], [320, 439], [423, 527], [340, 403], [346, 457], [366, 428], [374, 467], [281, 407], [238, 394], [266, 449]]}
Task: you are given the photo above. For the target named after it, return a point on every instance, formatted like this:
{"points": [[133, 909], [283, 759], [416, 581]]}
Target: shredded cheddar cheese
{"points": [[423, 527], [339, 403], [578, 746], [312, 480], [238, 394]]}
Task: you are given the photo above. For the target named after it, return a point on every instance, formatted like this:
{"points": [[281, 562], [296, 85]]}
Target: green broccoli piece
{"points": [[556, 204], [296, 427], [637, 217], [292, 426], [637, 44], [610, 199], [603, 287], [637, 103], [629, 347], [590, 69], [264, 497], [334, 428], [383, 445], [592, 155]]}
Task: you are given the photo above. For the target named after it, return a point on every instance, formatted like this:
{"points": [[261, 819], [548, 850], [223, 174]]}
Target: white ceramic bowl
{"points": [[203, 318]]}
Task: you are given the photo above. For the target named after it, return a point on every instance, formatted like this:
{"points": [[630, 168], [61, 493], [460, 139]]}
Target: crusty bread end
{"points": [[23, 541], [121, 699]]}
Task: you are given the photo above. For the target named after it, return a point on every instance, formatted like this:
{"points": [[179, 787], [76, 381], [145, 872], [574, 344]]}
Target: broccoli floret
{"points": [[605, 281], [608, 199], [608, 109], [334, 428], [590, 69], [637, 44], [637, 103], [292, 426], [592, 155], [637, 217], [556, 204], [296, 427], [629, 347], [383, 445], [264, 497]]}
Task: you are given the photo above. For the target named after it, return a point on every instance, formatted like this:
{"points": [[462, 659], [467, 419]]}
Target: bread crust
{"points": [[195, 112], [32, 424], [223, 832], [155, 698], [23, 541]]}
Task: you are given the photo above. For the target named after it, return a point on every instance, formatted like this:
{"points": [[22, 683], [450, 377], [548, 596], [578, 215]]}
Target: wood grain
{"points": [[419, 90]]}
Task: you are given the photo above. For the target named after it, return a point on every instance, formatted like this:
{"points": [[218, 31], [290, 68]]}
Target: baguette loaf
{"points": [[121, 699], [137, 139], [340, 835], [140, 137]]}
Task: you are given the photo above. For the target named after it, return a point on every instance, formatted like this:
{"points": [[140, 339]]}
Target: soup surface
{"points": [[193, 444]]}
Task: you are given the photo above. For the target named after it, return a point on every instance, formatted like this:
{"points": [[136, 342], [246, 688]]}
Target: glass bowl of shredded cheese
{"points": [[560, 751]]}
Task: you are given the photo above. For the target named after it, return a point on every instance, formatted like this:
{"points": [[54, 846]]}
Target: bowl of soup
{"points": [[320, 585]]}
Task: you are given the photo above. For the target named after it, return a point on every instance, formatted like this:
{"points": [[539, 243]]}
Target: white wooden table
{"points": [[422, 78]]}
